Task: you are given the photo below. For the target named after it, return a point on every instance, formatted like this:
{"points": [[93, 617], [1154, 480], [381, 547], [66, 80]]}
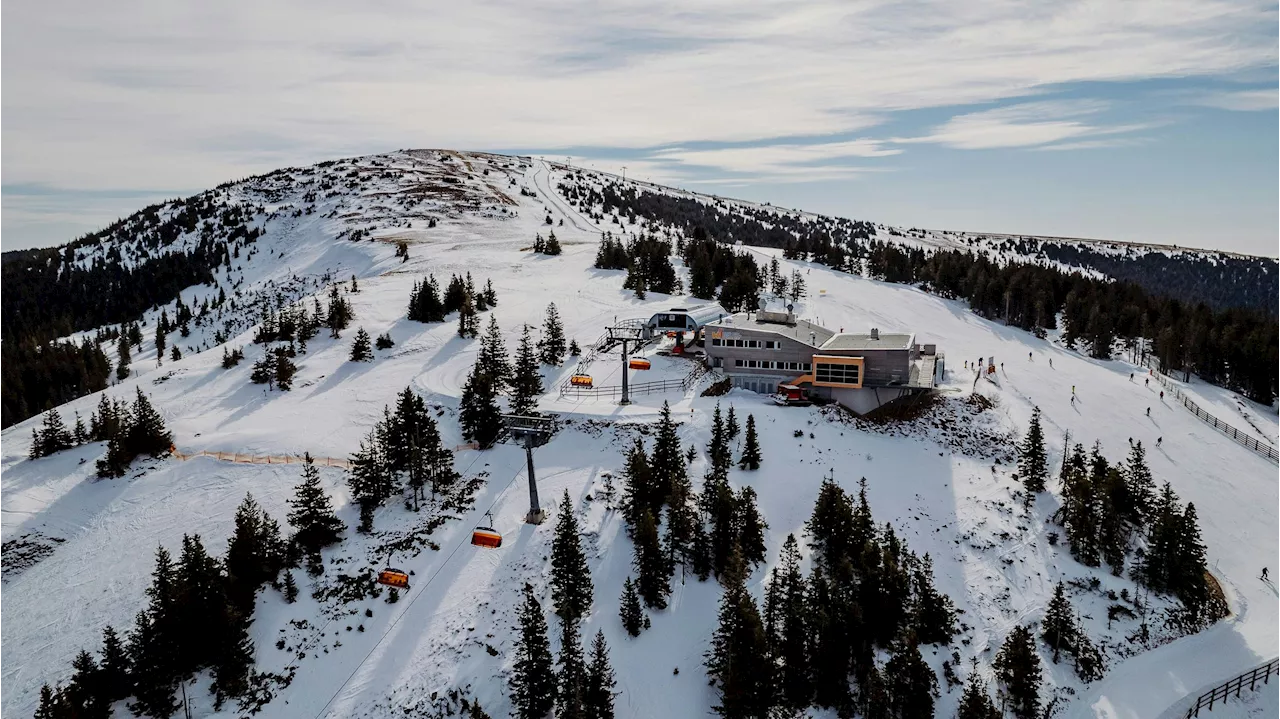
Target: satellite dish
{"points": [[762, 303]]}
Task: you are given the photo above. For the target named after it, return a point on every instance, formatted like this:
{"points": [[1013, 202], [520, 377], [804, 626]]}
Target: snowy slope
{"points": [[941, 487]]}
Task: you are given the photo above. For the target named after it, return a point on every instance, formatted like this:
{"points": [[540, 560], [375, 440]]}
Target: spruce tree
{"points": [[366, 478], [667, 461], [629, 609], [574, 350], [571, 586], [738, 660], [751, 449], [122, 353], [526, 380], [479, 415], [1158, 570], [361, 351], [975, 703], [652, 568], [933, 613], [1142, 488], [83, 697], [751, 527], [572, 675], [290, 588], [718, 448], [492, 358], [147, 433], [597, 695], [468, 323], [790, 639], [552, 245], [1058, 627], [233, 659], [533, 681], [255, 554], [551, 347], [1018, 670], [116, 673], [1032, 467], [638, 495], [731, 425], [910, 684], [312, 518], [682, 523], [49, 706]]}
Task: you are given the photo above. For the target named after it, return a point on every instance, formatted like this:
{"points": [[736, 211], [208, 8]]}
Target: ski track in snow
{"points": [[437, 636]]}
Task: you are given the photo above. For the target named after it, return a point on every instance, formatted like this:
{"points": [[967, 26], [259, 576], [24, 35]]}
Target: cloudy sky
{"points": [[1132, 120]]}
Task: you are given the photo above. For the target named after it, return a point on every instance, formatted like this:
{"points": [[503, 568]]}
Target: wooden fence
{"points": [[240, 458], [1242, 438], [1252, 679]]}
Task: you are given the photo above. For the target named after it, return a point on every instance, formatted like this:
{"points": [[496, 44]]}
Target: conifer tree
{"points": [[339, 314], [551, 347], [533, 683], [154, 645], [552, 245], [718, 448], [49, 706], [175, 354], [1058, 627], [933, 613], [312, 518], [1018, 670], [724, 514], [597, 695], [667, 461], [571, 586], [479, 415], [80, 433], [911, 685], [751, 527], [629, 609], [83, 697], [290, 588], [574, 350], [638, 495], [751, 449], [790, 637], [975, 703], [572, 675], [652, 568], [234, 657], [1158, 570], [682, 523], [731, 425], [492, 358], [526, 380], [1032, 468], [122, 355], [117, 680], [490, 294], [361, 351], [255, 554], [468, 323], [147, 433], [738, 660], [1142, 488], [367, 477]]}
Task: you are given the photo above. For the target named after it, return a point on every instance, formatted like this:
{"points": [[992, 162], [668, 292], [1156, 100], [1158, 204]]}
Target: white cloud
{"points": [[785, 162], [1028, 124], [1241, 100], [145, 93]]}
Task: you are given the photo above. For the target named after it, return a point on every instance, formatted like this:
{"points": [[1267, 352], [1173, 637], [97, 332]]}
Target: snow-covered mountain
{"points": [[78, 551]]}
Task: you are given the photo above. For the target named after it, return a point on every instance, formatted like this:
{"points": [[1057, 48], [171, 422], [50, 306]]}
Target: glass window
{"points": [[737, 363]]}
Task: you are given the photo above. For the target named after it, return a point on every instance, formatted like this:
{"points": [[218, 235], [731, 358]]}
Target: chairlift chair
{"points": [[486, 537]]}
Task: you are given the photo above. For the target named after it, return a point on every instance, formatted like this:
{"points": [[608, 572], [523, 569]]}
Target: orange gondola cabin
{"points": [[393, 578], [639, 364], [486, 537], [580, 380]]}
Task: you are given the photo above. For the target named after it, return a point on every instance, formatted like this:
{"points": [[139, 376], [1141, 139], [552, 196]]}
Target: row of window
{"points": [[770, 364], [748, 344], [836, 373]]}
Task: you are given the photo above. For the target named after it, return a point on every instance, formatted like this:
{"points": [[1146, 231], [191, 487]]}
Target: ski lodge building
{"points": [[761, 350]]}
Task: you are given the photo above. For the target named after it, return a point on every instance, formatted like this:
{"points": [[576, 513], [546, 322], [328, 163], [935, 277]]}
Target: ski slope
{"points": [[456, 627]]}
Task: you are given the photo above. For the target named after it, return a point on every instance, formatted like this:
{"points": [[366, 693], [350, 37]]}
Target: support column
{"points": [[536, 515]]}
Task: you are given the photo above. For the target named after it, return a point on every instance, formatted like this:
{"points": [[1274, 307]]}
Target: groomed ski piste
{"points": [[942, 481]]}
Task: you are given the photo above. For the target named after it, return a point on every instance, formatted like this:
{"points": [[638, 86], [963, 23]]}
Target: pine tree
{"points": [[1158, 570], [1018, 670], [551, 347], [629, 609], [117, 681], [533, 683], [552, 245], [339, 314], [666, 464], [572, 676], [738, 660], [933, 614], [975, 703], [910, 683], [750, 527], [638, 495], [652, 568], [731, 425], [574, 350], [571, 586], [290, 588], [367, 477], [1058, 627], [468, 323], [1032, 466], [233, 660], [147, 433], [597, 695], [83, 696], [122, 354], [49, 706], [790, 638], [492, 358], [1142, 488], [479, 415], [255, 554], [797, 292], [490, 294], [312, 518], [751, 450], [526, 380], [361, 351], [175, 354], [722, 509], [154, 645], [718, 448]]}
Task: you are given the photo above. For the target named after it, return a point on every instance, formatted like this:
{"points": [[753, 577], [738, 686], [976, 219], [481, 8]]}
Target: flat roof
{"points": [[799, 332], [860, 341]]}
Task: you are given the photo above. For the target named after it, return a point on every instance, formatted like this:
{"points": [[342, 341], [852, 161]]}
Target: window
{"points": [[837, 373], [715, 342], [771, 344], [806, 366], [737, 363]]}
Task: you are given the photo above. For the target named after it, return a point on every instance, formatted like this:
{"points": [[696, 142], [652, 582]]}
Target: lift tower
{"points": [[530, 432], [624, 334]]}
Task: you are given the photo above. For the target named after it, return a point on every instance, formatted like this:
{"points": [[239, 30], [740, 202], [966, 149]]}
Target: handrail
{"points": [[1241, 438], [1219, 694]]}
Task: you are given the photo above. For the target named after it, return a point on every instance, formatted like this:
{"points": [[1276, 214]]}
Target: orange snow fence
{"points": [[262, 458]]}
